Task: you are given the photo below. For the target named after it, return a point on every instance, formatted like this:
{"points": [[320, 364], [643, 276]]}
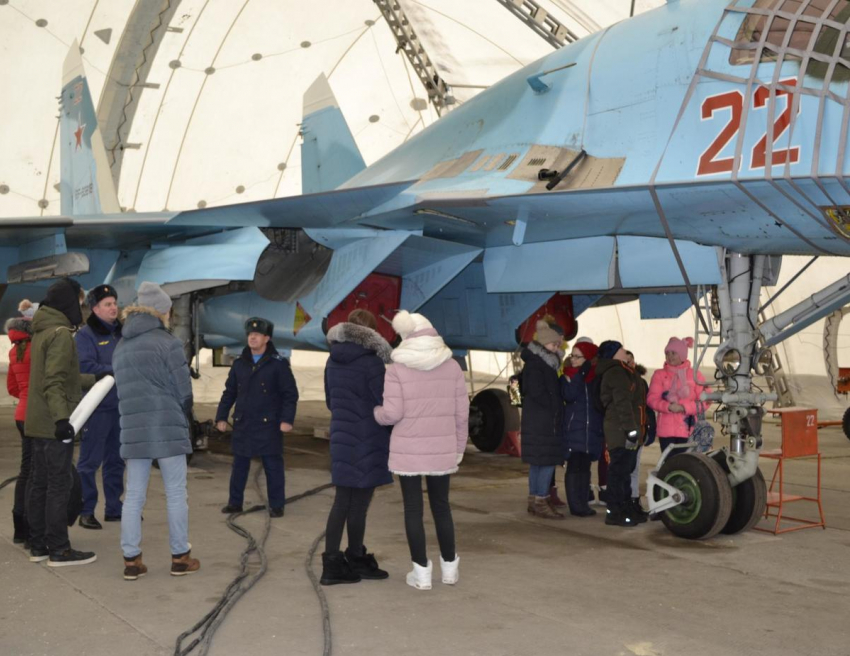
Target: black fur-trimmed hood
{"points": [[367, 338], [97, 325], [20, 324]]}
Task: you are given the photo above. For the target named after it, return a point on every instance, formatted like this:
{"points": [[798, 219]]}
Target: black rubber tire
{"points": [[846, 423], [749, 500], [710, 512], [497, 417]]}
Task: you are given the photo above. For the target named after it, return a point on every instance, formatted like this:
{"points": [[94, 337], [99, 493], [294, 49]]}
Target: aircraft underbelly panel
{"points": [[649, 262], [568, 265]]}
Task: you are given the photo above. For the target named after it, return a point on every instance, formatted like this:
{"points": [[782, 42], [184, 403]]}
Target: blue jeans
{"points": [[100, 446], [173, 471], [275, 480], [540, 479]]}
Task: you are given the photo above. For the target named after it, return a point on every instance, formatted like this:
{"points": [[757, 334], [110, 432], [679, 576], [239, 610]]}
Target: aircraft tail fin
{"points": [[86, 185], [329, 154]]}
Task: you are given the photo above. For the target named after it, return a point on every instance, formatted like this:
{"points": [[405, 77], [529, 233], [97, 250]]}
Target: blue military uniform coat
{"points": [[96, 342], [265, 396]]}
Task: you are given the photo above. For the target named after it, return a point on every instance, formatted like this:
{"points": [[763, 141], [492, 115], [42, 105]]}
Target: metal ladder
{"points": [[540, 21], [438, 91]]}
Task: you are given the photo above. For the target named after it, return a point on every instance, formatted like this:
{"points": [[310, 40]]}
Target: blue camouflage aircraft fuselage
{"points": [[703, 124]]}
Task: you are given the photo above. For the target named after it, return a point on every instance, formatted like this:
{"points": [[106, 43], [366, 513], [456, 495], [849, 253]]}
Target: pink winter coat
{"points": [[428, 409], [678, 383]]}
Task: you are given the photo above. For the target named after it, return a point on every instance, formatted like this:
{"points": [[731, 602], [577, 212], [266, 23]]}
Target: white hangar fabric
{"points": [[199, 103]]}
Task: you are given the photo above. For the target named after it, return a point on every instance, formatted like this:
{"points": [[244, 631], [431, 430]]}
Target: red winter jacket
{"points": [[18, 378]]}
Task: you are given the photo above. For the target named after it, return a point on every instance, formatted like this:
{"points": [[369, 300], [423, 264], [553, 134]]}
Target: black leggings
{"points": [[20, 507], [578, 463], [350, 507], [438, 499]]}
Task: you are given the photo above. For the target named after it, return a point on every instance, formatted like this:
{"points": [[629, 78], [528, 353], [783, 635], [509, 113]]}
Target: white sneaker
{"points": [[449, 570], [420, 577]]}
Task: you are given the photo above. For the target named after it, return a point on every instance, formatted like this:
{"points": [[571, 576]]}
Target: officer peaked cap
{"points": [[259, 325]]}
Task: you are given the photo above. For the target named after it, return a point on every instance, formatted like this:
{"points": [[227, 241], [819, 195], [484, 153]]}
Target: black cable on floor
{"points": [[8, 481], [208, 624], [317, 588]]}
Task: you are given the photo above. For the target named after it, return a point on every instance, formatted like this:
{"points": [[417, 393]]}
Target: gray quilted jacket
{"points": [[154, 389]]}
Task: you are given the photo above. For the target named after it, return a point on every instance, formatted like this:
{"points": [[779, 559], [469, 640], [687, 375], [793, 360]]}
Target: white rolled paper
{"points": [[90, 402]]}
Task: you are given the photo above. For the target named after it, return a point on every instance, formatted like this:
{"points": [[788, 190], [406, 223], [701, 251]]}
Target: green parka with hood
{"points": [[56, 384]]}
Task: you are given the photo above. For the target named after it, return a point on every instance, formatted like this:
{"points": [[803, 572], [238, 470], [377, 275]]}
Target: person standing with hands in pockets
{"points": [[262, 387]]}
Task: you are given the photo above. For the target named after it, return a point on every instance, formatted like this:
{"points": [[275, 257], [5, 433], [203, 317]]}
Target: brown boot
{"points": [[184, 564], [531, 499], [134, 568], [543, 510], [554, 500]]}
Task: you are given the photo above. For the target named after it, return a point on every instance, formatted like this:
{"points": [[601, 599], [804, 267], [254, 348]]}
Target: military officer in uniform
{"points": [[100, 441], [263, 389]]}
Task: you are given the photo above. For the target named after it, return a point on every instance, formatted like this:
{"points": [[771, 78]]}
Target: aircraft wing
{"points": [[124, 231]]}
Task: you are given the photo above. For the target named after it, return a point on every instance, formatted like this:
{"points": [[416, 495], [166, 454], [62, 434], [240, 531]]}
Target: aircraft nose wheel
{"points": [[749, 500], [708, 496]]}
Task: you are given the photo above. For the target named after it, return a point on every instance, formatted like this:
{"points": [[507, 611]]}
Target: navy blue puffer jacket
{"points": [[354, 385], [582, 421]]}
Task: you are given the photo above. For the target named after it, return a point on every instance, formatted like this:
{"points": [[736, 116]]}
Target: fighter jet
{"points": [[674, 157]]}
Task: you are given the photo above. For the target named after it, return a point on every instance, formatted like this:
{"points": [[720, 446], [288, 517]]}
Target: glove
{"points": [[585, 367], [64, 430], [103, 374], [632, 440], [459, 458]]}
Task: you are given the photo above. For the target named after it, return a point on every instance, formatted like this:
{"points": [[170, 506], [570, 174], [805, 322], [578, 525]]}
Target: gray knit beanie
{"points": [[152, 296]]}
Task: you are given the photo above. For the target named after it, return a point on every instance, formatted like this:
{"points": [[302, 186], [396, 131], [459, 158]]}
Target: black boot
{"points": [[22, 529], [364, 564], [335, 570], [639, 514], [573, 494], [583, 487]]}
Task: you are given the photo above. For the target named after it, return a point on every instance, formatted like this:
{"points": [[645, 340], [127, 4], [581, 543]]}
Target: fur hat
{"points": [[259, 325], [608, 349], [99, 293], [679, 346], [405, 323], [152, 296], [548, 333]]}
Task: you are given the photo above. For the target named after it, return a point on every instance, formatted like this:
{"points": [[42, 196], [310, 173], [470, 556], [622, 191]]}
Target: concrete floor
{"points": [[527, 586]]}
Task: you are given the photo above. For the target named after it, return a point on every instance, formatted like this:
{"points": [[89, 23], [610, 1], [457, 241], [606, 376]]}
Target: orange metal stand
{"points": [[799, 440]]}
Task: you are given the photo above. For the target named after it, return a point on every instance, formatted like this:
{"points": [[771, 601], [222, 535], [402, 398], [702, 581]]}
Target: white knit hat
{"points": [[405, 323]]}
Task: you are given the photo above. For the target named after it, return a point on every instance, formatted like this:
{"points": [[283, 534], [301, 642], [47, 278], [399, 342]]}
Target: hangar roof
{"points": [[199, 101]]}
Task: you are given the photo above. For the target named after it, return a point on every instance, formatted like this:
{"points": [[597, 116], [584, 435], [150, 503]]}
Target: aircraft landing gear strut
{"points": [[701, 495]]}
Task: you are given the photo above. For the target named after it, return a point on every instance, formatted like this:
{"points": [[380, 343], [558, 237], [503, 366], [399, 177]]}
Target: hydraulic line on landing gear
{"points": [[243, 582]]}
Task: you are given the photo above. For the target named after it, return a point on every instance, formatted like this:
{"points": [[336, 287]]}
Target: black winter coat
{"points": [[354, 385], [542, 407], [623, 394], [265, 395], [582, 421]]}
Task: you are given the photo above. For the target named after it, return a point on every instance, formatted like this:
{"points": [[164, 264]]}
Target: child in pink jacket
{"points": [[426, 402], [674, 395]]}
